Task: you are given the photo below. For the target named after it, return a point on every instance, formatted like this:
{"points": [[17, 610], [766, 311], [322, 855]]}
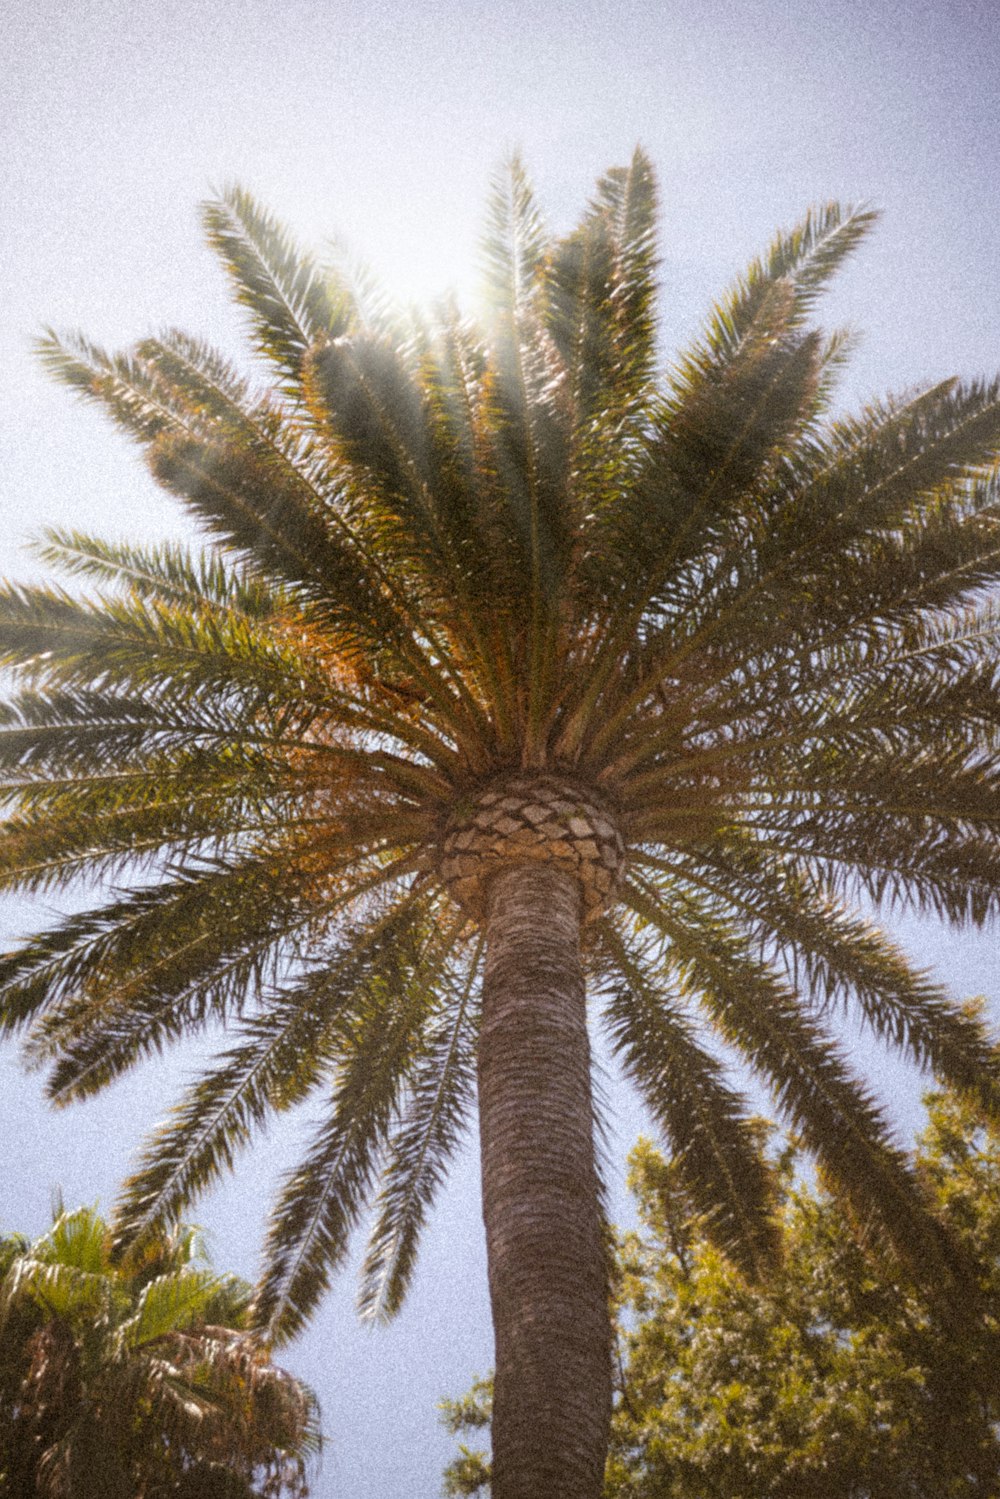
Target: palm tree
{"points": [[516, 668], [132, 1379]]}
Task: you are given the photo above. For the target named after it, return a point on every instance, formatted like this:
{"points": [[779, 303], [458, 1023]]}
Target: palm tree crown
{"points": [[503, 599]]}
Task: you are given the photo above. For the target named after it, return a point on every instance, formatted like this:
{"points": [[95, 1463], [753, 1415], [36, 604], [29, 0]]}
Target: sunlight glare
{"points": [[427, 270]]}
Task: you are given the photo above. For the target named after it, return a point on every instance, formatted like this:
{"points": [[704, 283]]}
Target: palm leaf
{"points": [[283, 1056], [323, 1199], [168, 573], [844, 959], [169, 1302], [835, 1117], [714, 1143], [418, 1153], [290, 302]]}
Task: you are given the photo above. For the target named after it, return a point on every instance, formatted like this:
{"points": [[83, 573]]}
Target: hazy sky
{"points": [[379, 125]]}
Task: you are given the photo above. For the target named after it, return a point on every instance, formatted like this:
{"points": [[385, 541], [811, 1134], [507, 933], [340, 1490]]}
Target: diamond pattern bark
{"points": [[528, 818]]}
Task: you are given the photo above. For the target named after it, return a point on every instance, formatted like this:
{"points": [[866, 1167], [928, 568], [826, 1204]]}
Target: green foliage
{"points": [[439, 551], [136, 1378], [837, 1377]]}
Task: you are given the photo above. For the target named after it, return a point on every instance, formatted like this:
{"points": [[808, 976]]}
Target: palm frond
{"points": [[290, 302], [170, 1302], [168, 573], [714, 1143], [128, 392], [372, 409], [111, 985], [833, 1115], [514, 244], [842, 959], [805, 258], [419, 1150], [739, 396], [867, 497], [531, 422], [322, 1201], [284, 1053], [600, 291]]}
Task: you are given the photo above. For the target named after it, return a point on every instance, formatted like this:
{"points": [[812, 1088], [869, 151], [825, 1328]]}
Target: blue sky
{"points": [[379, 125]]}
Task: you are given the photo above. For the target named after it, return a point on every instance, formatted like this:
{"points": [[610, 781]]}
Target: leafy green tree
{"points": [[136, 1378], [837, 1378], [515, 665]]}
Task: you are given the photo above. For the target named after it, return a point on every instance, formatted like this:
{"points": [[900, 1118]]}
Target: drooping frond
{"points": [[378, 1046], [832, 1113], [177, 953], [280, 1057], [419, 1150], [714, 1143], [844, 960]]}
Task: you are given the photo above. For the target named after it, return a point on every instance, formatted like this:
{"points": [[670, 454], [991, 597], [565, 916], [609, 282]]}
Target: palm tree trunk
{"points": [[544, 1228]]}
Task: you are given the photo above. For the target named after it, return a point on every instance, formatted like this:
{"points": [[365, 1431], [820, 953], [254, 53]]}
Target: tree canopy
{"points": [[836, 1378]]}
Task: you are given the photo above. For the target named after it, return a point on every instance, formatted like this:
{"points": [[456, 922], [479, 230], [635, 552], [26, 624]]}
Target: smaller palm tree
{"points": [[136, 1379]]}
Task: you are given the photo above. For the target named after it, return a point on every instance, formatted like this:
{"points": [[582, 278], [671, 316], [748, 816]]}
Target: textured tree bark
{"points": [[545, 1246]]}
